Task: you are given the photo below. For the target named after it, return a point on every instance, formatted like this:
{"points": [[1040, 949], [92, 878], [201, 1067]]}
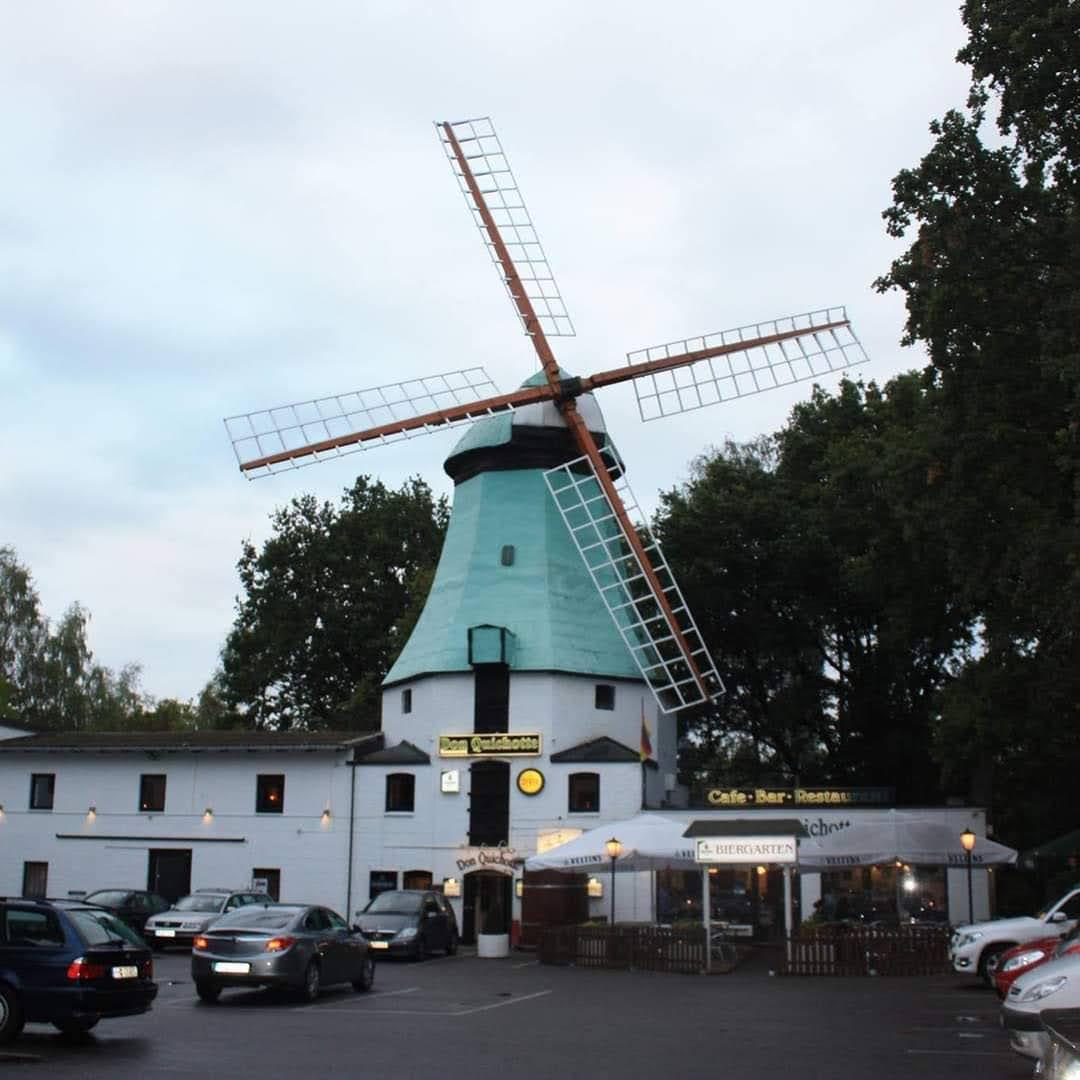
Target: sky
{"points": [[213, 208]]}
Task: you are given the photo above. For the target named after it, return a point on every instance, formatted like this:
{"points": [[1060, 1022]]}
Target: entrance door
{"points": [[170, 872], [487, 907], [489, 803]]}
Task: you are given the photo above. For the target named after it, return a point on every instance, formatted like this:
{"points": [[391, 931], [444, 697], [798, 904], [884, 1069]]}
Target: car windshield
{"points": [[99, 928], [107, 897], [200, 902], [259, 918], [394, 903]]}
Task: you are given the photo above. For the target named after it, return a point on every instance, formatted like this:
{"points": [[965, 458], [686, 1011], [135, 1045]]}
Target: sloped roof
{"points": [[179, 742], [403, 753], [603, 749]]}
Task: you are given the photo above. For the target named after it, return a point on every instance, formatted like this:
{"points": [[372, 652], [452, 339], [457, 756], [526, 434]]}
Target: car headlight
{"points": [[1044, 989], [970, 939], [1023, 960], [405, 934], [191, 926]]}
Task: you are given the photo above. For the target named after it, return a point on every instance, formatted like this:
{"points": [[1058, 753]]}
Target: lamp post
{"points": [[967, 839], [614, 849]]}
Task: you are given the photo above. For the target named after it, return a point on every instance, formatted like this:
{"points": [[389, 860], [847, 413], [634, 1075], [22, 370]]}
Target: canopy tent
{"points": [[649, 842], [900, 837]]}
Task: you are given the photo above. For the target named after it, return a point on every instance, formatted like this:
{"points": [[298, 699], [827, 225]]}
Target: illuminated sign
{"points": [[502, 859], [450, 782], [530, 781], [746, 849], [500, 745], [546, 839], [800, 796]]}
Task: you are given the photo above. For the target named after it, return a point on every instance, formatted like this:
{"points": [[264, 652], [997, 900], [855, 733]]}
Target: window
{"points": [[268, 879], [381, 881], [605, 696], [400, 792], [584, 792], [269, 793], [32, 928], [316, 920], [492, 702], [35, 879], [42, 790], [152, 792], [416, 879], [406, 700], [507, 555]]}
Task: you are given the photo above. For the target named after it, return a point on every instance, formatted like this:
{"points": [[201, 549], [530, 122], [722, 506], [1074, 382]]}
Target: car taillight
{"points": [[146, 969], [276, 944], [200, 943], [82, 970]]}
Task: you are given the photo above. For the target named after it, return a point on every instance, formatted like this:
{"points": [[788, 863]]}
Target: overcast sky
{"points": [[210, 208]]}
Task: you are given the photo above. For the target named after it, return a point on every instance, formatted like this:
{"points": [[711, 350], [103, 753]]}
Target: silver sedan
{"points": [[294, 946]]}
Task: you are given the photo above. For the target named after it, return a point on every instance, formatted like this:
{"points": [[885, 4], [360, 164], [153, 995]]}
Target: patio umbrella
{"points": [[649, 842]]}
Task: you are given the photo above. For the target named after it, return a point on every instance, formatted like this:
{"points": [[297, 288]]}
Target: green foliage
{"points": [[328, 601]]}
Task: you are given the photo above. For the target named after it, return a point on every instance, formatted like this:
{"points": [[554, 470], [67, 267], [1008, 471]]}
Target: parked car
{"points": [[133, 906], [294, 946], [191, 915], [68, 964], [1054, 985], [410, 922], [976, 949], [1021, 959]]}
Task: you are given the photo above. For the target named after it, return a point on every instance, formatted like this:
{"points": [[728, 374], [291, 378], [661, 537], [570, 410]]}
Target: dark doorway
{"points": [[487, 904], [489, 802], [170, 872]]}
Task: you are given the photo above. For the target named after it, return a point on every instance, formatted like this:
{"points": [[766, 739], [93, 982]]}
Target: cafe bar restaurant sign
{"points": [[746, 849], [800, 796], [517, 744]]}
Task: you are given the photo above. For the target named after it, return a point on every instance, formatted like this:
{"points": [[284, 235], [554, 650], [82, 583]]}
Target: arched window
{"points": [[400, 792], [584, 793]]}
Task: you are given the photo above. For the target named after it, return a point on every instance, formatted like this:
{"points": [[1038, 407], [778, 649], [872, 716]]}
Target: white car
{"points": [[975, 949], [192, 914], [1055, 985]]}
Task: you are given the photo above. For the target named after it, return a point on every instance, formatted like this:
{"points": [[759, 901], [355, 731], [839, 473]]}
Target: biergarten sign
{"points": [[492, 745], [748, 798], [746, 849]]}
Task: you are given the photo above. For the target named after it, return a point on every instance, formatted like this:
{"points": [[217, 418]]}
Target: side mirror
{"points": [[354, 929], [1058, 916]]}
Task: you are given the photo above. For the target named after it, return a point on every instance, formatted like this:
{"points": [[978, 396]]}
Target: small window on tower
{"points": [[508, 555], [406, 701], [605, 696]]}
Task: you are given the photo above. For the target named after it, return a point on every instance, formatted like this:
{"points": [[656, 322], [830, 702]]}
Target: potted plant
{"points": [[494, 938]]}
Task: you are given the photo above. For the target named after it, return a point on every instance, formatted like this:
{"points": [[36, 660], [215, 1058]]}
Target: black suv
{"points": [[409, 922], [69, 964]]}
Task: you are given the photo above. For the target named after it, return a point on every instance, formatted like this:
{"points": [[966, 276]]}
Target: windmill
{"points": [[610, 532]]}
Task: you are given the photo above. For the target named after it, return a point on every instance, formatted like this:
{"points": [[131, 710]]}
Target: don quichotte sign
{"points": [[516, 744]]}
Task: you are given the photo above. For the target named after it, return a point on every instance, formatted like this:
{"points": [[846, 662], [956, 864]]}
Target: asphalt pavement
{"points": [[466, 1017]]}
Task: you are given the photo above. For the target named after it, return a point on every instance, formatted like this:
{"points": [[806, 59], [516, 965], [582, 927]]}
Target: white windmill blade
{"points": [[624, 585], [290, 429], [485, 160], [819, 342]]}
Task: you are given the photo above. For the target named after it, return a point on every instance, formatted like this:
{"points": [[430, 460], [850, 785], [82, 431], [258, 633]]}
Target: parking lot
{"points": [[467, 1017]]}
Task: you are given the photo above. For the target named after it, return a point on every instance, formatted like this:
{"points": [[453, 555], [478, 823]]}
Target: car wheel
{"points": [[451, 945], [207, 991], [312, 981], [367, 976], [11, 1014], [72, 1026], [989, 961]]}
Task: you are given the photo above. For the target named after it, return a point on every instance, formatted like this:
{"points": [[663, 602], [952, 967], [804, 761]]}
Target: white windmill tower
{"points": [[553, 615]]}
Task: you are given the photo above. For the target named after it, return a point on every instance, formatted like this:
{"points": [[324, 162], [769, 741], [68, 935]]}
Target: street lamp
{"points": [[614, 849], [967, 839]]}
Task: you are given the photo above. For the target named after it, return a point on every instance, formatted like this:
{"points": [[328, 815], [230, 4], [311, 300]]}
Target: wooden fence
{"points": [[903, 950], [642, 948]]}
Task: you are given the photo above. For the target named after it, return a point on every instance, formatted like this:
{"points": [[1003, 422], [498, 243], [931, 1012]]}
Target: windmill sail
{"points": [[672, 659], [743, 361]]}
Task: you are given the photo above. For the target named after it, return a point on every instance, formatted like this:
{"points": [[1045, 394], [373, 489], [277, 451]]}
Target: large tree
{"points": [[326, 603], [992, 285]]}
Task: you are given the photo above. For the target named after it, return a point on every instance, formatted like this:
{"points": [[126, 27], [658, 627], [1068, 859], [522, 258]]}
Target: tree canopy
{"points": [[328, 603]]}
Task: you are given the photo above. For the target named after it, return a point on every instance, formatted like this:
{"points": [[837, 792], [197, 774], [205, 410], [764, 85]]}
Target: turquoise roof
{"points": [[546, 598]]}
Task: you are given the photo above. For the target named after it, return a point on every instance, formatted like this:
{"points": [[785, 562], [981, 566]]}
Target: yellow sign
{"points": [[530, 781], [501, 745]]}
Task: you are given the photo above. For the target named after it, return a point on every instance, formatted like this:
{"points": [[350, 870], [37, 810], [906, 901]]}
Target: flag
{"points": [[646, 736]]}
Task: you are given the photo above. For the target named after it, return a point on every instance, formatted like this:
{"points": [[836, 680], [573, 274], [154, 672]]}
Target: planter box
{"points": [[492, 946]]}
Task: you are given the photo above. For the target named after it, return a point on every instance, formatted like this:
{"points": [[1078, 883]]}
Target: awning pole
{"points": [[789, 914], [706, 916]]}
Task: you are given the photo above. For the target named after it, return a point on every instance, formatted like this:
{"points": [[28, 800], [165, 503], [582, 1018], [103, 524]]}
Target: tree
{"points": [[320, 622], [992, 287]]}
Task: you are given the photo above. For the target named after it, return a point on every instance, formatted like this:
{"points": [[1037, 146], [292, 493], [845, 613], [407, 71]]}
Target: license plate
{"points": [[378, 945], [165, 933], [128, 971], [230, 967]]}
